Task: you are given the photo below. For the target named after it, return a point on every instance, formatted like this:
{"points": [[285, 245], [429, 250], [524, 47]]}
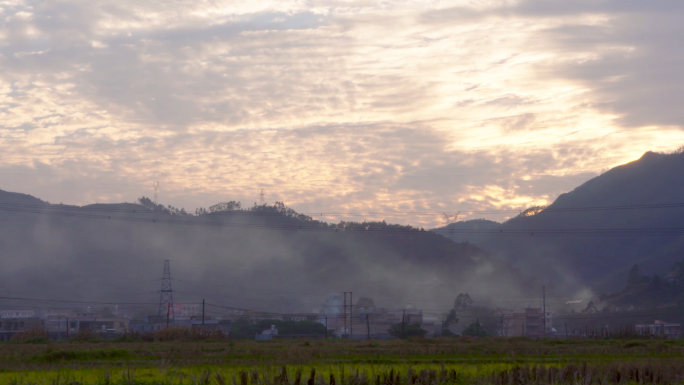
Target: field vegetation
{"points": [[337, 362]]}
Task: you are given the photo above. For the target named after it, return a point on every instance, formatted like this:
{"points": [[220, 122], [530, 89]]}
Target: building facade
{"points": [[531, 322], [659, 329]]}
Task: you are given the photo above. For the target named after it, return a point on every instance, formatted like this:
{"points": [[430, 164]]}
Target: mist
{"points": [[237, 261]]}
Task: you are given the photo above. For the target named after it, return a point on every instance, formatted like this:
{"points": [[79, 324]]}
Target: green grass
{"points": [[259, 375], [423, 362], [61, 355]]}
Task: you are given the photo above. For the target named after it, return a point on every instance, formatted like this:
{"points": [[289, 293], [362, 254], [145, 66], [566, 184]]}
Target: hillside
{"points": [[474, 230], [265, 257], [582, 234], [10, 198]]}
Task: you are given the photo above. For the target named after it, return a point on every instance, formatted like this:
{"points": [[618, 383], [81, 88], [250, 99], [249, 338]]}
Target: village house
{"points": [[659, 329], [528, 323], [18, 321]]}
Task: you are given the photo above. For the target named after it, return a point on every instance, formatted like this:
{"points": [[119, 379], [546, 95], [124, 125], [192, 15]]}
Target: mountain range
{"points": [[593, 235]]}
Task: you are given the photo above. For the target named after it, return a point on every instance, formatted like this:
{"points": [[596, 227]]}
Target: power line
{"points": [[102, 207], [77, 302], [634, 314], [442, 313]]}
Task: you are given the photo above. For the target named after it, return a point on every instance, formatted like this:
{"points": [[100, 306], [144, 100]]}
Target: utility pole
{"points": [[544, 308], [202, 315], [351, 314], [367, 326], [403, 318], [345, 314]]}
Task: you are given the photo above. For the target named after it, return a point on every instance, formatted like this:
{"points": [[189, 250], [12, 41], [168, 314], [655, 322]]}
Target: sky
{"points": [[355, 110]]}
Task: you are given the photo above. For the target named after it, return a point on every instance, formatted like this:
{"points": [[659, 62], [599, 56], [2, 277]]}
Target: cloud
{"points": [[625, 52], [337, 106], [635, 76]]}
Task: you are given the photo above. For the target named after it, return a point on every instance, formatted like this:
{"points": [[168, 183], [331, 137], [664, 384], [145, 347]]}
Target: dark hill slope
{"points": [[654, 178], [474, 230], [12, 198], [256, 259], [601, 257]]}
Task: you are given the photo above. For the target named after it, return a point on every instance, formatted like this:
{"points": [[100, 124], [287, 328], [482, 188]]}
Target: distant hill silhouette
{"points": [[603, 254], [264, 257], [10, 198]]}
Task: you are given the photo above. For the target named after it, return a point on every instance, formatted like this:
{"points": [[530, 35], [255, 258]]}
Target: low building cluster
{"points": [[59, 324], [62, 325], [348, 322]]}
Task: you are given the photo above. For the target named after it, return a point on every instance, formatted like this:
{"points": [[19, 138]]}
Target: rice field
{"points": [[336, 362]]}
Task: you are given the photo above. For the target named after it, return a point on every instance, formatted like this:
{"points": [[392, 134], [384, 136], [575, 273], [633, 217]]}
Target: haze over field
{"points": [[265, 259], [400, 110]]}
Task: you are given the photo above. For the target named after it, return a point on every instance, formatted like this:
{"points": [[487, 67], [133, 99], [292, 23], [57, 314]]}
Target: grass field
{"points": [[335, 362]]}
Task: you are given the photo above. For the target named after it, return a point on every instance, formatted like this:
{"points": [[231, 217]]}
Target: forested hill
{"points": [[263, 257], [631, 214]]}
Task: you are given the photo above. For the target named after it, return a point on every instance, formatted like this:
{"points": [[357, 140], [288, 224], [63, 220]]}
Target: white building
{"points": [[17, 314]]}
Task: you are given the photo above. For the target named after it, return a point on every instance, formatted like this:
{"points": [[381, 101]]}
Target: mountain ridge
{"points": [[598, 260]]}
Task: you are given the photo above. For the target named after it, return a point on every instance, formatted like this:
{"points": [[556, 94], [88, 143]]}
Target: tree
{"points": [[463, 301], [451, 320], [147, 202], [635, 276], [490, 318], [365, 302], [243, 329], [401, 330], [225, 206], [475, 329], [591, 308], [677, 272]]}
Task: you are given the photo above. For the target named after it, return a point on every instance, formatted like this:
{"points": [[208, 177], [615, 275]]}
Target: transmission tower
{"points": [[155, 185], [166, 294], [449, 220], [262, 200]]}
